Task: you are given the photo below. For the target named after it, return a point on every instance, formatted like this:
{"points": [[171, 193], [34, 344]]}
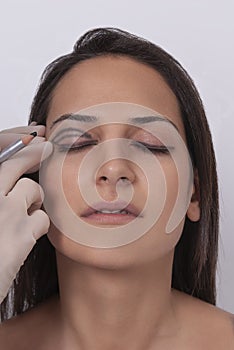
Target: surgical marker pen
{"points": [[16, 146]]}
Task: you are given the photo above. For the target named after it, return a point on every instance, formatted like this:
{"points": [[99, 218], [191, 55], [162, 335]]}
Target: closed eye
{"points": [[76, 147], [153, 148]]}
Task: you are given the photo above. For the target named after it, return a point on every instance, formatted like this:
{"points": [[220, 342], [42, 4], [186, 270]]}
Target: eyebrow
{"points": [[90, 119]]}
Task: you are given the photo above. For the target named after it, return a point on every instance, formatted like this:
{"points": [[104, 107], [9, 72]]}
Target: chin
{"points": [[148, 249], [104, 258]]}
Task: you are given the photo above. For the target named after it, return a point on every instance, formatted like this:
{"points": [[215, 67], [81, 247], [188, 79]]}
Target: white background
{"points": [[200, 34]]}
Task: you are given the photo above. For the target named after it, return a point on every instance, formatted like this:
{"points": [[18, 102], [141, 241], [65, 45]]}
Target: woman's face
{"points": [[109, 80]]}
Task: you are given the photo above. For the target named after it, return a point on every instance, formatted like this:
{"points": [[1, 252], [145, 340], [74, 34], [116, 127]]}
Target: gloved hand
{"points": [[22, 221]]}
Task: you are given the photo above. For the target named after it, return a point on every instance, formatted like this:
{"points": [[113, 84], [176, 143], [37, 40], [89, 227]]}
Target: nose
{"points": [[115, 170]]}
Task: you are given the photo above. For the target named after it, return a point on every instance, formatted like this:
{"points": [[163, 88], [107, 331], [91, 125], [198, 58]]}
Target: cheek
{"points": [[157, 243], [70, 186], [172, 185], [157, 240]]}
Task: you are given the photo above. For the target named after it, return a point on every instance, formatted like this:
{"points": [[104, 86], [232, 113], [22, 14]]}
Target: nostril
{"points": [[124, 179], [104, 178]]}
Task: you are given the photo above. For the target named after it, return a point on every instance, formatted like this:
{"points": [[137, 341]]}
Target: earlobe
{"points": [[193, 212]]}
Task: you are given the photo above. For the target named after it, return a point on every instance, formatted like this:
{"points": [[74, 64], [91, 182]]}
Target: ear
{"points": [[193, 212]]}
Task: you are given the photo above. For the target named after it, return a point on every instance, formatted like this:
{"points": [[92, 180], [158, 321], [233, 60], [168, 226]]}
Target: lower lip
{"points": [[114, 219]]}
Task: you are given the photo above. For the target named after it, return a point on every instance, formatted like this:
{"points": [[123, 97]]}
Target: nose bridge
{"points": [[115, 148], [116, 165]]}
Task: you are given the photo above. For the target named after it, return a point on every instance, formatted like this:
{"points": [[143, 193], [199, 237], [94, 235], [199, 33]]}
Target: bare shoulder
{"points": [[25, 331], [206, 324]]}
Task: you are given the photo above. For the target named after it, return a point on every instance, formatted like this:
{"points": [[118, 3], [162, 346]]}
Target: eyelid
{"points": [[78, 147], [76, 137], [149, 144], [147, 137], [144, 145], [78, 133]]}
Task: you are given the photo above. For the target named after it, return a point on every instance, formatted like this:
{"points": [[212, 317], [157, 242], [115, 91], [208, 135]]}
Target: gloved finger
{"points": [[13, 168], [6, 140], [35, 140], [28, 191], [40, 223], [9, 136], [34, 207], [22, 129]]}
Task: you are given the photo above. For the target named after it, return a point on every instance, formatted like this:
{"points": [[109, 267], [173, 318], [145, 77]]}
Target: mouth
{"points": [[111, 213]]}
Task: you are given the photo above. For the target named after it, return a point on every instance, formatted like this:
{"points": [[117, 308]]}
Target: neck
{"points": [[105, 308]]}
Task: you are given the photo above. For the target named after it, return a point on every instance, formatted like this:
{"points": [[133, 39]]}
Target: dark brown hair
{"points": [[195, 259]]}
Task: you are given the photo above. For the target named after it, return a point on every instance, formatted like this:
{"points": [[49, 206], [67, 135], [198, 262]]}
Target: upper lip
{"points": [[117, 205]]}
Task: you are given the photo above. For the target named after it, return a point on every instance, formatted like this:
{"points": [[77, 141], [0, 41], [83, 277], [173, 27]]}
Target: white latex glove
{"points": [[22, 221]]}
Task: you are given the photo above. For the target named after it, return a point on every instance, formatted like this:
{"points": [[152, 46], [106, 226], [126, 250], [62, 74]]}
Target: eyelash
{"points": [[140, 145], [154, 149], [78, 147]]}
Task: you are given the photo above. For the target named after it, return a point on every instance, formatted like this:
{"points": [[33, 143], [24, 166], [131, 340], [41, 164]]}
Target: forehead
{"points": [[113, 79]]}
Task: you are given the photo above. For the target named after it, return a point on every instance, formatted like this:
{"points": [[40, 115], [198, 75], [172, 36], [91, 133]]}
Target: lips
{"points": [[108, 213], [97, 207]]}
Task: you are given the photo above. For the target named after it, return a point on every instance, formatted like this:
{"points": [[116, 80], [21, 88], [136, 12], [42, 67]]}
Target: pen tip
{"points": [[33, 133]]}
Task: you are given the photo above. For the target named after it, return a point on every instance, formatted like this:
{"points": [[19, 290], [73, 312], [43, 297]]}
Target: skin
{"points": [[117, 283], [121, 298]]}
